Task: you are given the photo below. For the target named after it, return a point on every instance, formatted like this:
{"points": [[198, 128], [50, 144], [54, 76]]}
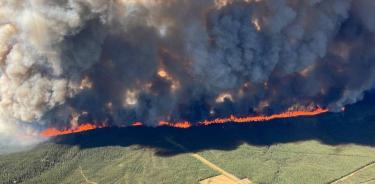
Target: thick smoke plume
{"points": [[64, 62]]}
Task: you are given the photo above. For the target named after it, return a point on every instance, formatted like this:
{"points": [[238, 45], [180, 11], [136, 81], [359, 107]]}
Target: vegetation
{"points": [[306, 162], [305, 150], [51, 163]]}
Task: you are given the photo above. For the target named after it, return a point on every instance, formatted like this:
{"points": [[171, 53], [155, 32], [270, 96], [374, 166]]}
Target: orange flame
{"points": [[50, 132], [289, 114], [137, 124], [183, 124], [247, 119]]}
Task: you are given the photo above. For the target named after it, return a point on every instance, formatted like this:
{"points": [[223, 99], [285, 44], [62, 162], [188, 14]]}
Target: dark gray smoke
{"points": [[64, 62]]}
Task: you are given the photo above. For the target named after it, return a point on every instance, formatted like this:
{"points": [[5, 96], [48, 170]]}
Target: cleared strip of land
{"points": [[86, 179], [343, 178], [208, 163]]}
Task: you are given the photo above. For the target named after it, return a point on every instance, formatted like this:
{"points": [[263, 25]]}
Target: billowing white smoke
{"points": [[32, 43], [118, 61]]}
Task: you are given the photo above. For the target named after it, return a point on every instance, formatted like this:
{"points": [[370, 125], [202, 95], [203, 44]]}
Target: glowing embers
{"points": [[183, 124], [50, 132], [256, 24], [174, 84], [224, 96], [130, 98], [162, 73], [135, 124]]}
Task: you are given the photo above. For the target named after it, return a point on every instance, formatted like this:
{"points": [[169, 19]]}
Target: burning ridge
{"points": [[50, 132]]}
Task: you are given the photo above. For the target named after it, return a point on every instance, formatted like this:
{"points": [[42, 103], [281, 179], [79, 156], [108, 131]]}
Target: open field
{"points": [[321, 149]]}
